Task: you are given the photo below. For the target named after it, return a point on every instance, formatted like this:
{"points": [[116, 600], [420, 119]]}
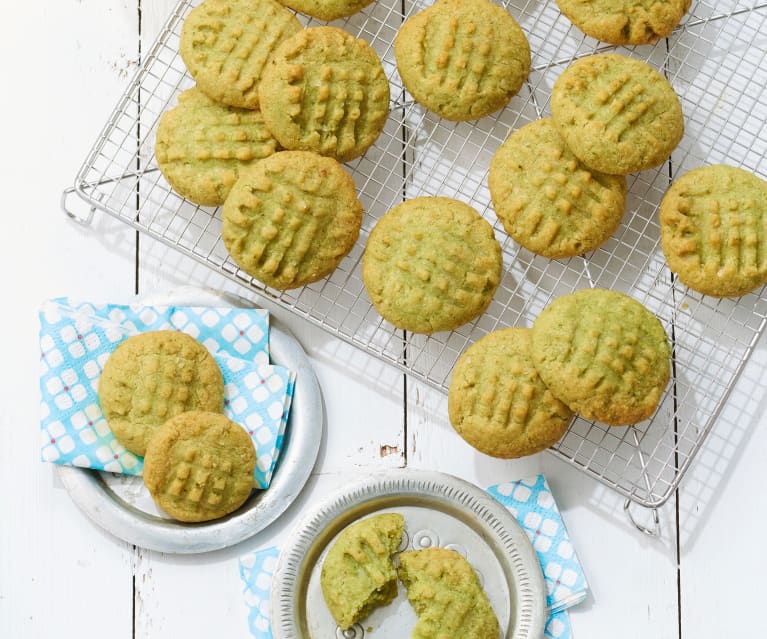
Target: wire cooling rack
{"points": [[716, 62]]}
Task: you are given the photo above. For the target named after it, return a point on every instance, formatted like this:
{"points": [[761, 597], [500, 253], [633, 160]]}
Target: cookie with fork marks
{"points": [[325, 91], [199, 466], [617, 114], [497, 402], [431, 264], [713, 230], [547, 200], [225, 45], [201, 146], [153, 376], [625, 21], [358, 574], [447, 595], [462, 59], [291, 218], [603, 354]]}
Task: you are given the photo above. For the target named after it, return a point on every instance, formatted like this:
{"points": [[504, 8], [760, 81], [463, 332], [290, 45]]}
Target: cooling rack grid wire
{"points": [[716, 62]]}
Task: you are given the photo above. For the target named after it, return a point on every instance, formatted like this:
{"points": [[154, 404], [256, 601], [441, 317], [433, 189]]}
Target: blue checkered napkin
{"points": [[76, 338], [532, 504]]}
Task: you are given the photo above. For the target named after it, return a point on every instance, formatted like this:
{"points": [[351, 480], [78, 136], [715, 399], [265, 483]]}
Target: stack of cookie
{"points": [[558, 184], [162, 394], [595, 352], [265, 84]]}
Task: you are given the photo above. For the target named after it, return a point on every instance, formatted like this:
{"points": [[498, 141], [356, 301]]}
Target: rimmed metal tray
{"points": [[121, 505], [439, 510]]}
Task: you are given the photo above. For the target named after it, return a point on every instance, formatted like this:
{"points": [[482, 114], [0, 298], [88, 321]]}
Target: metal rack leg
{"points": [[650, 532], [66, 206]]}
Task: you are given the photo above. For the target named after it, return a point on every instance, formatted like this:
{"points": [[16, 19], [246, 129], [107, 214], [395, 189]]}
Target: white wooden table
{"points": [[64, 63]]}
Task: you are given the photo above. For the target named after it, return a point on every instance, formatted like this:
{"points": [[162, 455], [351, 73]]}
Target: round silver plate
{"points": [[439, 510], [121, 504]]}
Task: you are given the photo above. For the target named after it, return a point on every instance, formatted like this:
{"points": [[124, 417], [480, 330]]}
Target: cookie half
{"points": [[201, 146], [497, 401], [153, 376], [431, 264], [291, 218], [447, 596], [714, 230], [603, 354], [225, 45], [199, 466], [547, 199], [357, 574], [617, 114], [325, 91], [624, 22], [462, 59]]}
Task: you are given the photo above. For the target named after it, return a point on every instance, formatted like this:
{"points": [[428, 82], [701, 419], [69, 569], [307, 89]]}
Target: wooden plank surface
{"points": [[59, 572]]}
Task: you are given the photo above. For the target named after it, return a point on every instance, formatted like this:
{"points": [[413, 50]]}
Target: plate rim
{"points": [[306, 423], [523, 563]]}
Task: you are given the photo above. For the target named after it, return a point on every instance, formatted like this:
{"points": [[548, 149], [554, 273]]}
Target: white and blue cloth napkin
{"points": [[76, 338], [531, 503]]}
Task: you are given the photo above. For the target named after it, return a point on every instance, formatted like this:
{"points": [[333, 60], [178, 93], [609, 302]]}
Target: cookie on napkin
{"points": [[153, 376], [199, 466]]}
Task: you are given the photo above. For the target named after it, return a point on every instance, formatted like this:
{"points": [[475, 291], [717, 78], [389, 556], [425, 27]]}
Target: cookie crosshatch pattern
{"points": [[714, 61], [76, 339]]}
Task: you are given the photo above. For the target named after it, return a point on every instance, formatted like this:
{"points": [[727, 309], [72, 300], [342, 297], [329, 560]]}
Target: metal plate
{"points": [[121, 504], [439, 510]]}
